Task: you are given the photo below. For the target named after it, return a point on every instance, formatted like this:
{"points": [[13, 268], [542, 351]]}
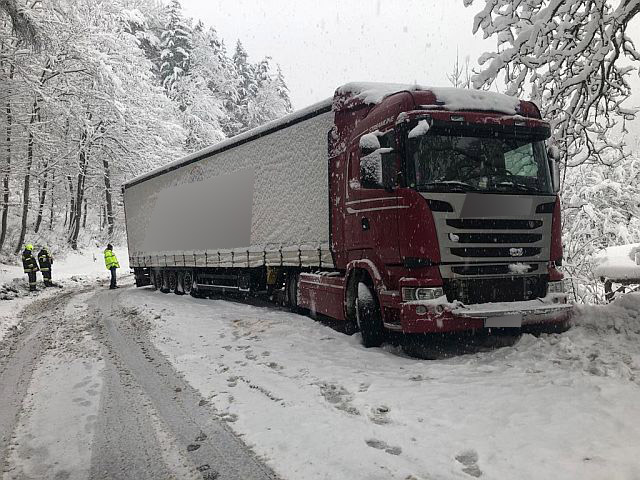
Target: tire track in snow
{"points": [[19, 355], [144, 394]]}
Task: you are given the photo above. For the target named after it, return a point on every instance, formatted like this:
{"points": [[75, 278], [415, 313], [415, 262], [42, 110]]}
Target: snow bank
{"points": [[618, 263], [446, 97]]}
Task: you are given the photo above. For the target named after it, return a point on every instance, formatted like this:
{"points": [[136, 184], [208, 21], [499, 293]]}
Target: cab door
{"points": [[371, 209]]}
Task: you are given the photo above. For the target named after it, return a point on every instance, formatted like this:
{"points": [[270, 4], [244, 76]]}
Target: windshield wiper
{"points": [[453, 185], [516, 186]]}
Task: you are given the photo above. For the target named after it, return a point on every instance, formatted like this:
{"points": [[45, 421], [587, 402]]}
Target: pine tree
{"points": [[282, 89], [246, 90], [176, 46]]}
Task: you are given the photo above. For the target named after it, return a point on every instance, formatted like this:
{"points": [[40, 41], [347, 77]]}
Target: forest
{"points": [[96, 92]]}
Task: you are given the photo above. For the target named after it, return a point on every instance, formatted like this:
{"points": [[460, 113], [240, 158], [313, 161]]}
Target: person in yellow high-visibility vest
{"points": [[111, 262], [30, 265]]}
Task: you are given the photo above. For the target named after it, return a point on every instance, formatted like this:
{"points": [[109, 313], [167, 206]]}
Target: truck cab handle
{"points": [[365, 223]]}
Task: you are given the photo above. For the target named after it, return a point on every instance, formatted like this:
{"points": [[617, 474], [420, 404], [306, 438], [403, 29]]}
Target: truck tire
{"points": [[187, 282], [172, 280], [154, 280], [368, 317], [164, 282], [179, 279]]}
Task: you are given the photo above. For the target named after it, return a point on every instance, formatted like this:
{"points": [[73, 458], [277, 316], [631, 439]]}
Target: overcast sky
{"points": [[321, 44]]}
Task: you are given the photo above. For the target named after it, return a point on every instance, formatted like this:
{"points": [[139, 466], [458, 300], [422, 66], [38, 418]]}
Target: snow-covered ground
{"points": [[87, 266], [317, 405]]}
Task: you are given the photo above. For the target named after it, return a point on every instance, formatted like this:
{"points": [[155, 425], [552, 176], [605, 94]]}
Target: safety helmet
{"points": [[28, 246]]}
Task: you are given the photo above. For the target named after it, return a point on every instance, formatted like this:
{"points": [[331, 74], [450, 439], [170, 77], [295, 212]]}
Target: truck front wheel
{"points": [[368, 317]]}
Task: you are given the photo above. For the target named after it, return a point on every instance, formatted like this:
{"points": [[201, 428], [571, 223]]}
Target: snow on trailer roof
{"points": [[297, 116], [446, 97], [618, 263]]}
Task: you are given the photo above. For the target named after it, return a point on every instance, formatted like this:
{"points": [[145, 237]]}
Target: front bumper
{"points": [[457, 318]]}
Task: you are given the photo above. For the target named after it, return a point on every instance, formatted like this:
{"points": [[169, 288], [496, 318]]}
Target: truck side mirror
{"points": [[378, 169], [369, 143], [371, 170]]}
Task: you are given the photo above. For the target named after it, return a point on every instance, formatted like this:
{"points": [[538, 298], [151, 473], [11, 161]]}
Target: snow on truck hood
{"points": [[448, 98]]}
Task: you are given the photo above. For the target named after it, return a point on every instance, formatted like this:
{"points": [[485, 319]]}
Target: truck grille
{"points": [[493, 224], [509, 289], [498, 237], [500, 269], [495, 252]]}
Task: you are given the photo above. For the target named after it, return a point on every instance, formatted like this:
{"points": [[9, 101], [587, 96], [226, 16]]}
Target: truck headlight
{"points": [[555, 287], [410, 294]]}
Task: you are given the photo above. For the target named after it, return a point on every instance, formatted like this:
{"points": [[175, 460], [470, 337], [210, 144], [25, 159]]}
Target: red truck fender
{"points": [[349, 293]]}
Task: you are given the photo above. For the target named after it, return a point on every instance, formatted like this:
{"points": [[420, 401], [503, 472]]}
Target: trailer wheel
{"points": [[164, 282], [368, 317], [292, 291], [154, 279], [179, 288], [187, 283], [172, 280]]}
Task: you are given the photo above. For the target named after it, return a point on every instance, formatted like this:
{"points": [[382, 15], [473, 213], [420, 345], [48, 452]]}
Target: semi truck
{"points": [[390, 207]]}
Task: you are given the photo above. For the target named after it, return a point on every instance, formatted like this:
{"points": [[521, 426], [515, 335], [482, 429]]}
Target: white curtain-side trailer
{"points": [[257, 199]]}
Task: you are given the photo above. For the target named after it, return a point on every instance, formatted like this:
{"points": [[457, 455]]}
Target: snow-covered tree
{"points": [[89, 110], [570, 56], [23, 22], [175, 46]]}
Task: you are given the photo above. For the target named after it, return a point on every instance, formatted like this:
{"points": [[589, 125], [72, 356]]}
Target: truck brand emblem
{"points": [[516, 252]]}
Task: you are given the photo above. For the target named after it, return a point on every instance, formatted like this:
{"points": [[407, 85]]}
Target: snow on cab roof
{"points": [[446, 97]]}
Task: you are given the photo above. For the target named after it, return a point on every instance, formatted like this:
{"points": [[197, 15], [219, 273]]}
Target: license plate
{"points": [[504, 321]]}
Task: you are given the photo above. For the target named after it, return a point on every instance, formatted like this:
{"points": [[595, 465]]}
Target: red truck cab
{"points": [[444, 214]]}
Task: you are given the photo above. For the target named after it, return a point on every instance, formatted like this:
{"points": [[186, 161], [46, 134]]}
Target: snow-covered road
{"points": [[138, 384], [85, 395]]}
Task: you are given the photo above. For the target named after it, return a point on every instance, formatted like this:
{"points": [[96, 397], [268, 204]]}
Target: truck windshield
{"points": [[447, 162]]}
